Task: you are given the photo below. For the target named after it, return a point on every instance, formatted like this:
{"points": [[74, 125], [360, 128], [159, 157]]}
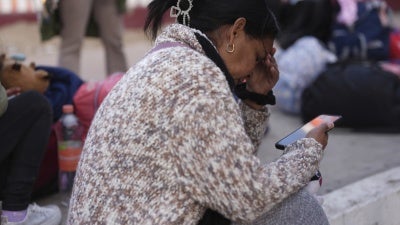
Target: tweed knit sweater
{"points": [[170, 140]]}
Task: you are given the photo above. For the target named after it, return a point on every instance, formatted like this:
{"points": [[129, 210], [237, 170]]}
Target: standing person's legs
{"points": [[24, 133], [74, 16], [110, 23]]}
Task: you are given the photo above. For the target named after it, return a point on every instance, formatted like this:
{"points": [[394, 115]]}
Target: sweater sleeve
{"points": [[3, 100], [255, 123], [216, 167]]}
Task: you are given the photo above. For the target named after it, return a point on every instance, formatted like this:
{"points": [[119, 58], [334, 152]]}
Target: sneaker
{"points": [[39, 215]]}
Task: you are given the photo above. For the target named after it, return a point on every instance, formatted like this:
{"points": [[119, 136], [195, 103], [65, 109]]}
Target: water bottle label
{"points": [[69, 153]]}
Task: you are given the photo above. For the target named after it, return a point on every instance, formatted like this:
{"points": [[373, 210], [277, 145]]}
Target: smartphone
{"points": [[302, 131]]}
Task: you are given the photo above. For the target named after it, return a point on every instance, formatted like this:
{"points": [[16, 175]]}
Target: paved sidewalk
{"points": [[349, 157]]}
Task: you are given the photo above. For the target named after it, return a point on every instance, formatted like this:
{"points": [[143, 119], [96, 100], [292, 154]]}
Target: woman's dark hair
{"points": [[305, 18], [208, 15]]}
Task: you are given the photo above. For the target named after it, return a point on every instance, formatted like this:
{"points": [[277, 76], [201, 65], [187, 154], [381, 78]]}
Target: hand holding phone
{"points": [[306, 128], [320, 133]]}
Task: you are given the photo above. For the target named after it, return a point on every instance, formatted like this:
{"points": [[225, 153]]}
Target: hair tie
{"points": [[177, 11]]}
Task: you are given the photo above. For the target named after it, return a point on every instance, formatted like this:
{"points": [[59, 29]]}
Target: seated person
{"points": [[25, 122]]}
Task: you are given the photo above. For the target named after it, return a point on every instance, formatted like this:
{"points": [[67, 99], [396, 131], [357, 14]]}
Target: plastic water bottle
{"points": [[69, 138]]}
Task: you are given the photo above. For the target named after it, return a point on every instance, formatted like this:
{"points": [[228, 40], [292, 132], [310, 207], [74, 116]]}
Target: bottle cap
{"points": [[68, 108]]}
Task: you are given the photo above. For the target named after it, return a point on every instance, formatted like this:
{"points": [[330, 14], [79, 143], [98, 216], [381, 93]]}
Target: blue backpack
{"points": [[63, 85]]}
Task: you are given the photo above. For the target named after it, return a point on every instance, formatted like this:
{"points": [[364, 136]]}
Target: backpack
{"points": [[63, 85], [88, 98], [367, 96], [395, 45]]}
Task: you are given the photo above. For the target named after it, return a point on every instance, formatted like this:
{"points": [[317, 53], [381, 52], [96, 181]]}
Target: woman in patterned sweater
{"points": [[173, 139]]}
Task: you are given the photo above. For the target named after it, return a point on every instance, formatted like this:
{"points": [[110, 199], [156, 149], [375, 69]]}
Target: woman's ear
{"points": [[237, 28]]}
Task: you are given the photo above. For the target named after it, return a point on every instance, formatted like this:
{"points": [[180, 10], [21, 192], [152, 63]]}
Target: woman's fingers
{"points": [[273, 67], [320, 133]]}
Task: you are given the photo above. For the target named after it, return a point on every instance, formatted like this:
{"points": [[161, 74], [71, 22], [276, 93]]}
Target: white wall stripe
{"points": [[20, 6], [5, 6], [131, 4]]}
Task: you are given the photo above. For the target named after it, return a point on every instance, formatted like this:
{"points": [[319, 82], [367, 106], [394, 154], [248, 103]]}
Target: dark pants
{"points": [[24, 134]]}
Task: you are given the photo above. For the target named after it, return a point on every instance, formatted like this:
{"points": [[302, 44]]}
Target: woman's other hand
{"points": [[265, 75], [320, 133]]}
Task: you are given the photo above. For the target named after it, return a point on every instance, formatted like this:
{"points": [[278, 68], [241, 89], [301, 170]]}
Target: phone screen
{"points": [[302, 131]]}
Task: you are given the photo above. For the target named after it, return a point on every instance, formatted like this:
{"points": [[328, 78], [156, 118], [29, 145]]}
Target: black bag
{"points": [[362, 92]]}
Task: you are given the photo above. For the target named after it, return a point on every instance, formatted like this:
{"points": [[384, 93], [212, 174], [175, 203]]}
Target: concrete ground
{"points": [[349, 157]]}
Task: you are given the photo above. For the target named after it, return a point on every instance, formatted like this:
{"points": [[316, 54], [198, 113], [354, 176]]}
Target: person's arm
{"points": [[215, 164], [261, 81], [255, 123], [3, 99]]}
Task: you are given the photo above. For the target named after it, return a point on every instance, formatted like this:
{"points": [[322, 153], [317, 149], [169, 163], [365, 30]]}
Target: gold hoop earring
{"points": [[230, 48]]}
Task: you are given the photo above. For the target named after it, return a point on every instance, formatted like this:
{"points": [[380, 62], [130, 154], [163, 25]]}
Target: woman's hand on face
{"points": [[320, 133], [264, 76], [13, 91]]}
